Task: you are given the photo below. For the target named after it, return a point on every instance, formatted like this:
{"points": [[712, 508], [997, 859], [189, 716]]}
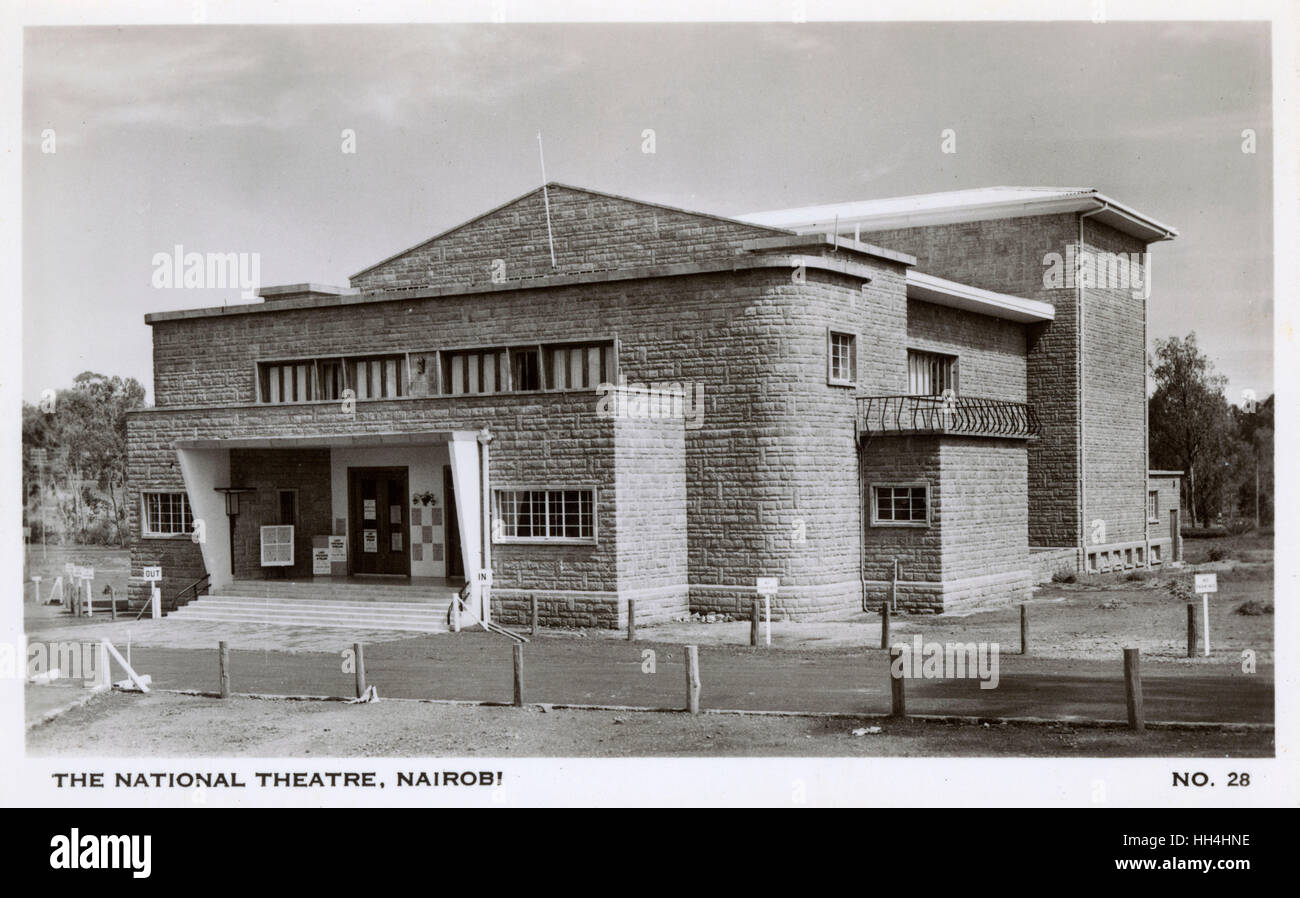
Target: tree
{"points": [[1191, 428], [85, 436]]}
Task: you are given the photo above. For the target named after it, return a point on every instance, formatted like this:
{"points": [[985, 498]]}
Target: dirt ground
{"points": [[169, 725], [1093, 618]]}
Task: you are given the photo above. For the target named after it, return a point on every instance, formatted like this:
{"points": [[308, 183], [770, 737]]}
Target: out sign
{"points": [[153, 574], [767, 586]]}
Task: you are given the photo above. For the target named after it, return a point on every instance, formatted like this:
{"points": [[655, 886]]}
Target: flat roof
{"points": [[979, 204]]}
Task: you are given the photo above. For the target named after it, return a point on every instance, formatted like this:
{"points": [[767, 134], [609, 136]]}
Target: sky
{"points": [[229, 139]]}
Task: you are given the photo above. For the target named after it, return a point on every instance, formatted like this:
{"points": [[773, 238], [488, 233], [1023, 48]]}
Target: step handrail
{"points": [[175, 600]]}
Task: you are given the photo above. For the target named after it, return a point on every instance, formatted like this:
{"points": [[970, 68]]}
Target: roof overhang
{"points": [[952, 207], [333, 441], [942, 292]]}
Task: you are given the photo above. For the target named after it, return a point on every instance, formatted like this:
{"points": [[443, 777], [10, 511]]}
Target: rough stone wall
{"points": [[1008, 255], [983, 518], [991, 351], [1114, 398], [591, 231], [650, 510], [268, 471]]}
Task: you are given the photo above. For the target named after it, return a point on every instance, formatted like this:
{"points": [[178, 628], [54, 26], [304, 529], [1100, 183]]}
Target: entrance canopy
{"points": [[206, 468]]}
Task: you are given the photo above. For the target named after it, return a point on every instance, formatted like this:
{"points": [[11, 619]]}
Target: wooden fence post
{"points": [[631, 620], [223, 668], [884, 625], [519, 674], [1191, 630], [1024, 629], [360, 660], [693, 679], [1133, 688], [897, 695], [753, 621]]}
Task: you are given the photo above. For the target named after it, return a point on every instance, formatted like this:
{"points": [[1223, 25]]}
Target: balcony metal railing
{"points": [[951, 414]]}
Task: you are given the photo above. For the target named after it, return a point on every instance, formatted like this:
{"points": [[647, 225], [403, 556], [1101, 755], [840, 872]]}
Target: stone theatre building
{"points": [[896, 401]]}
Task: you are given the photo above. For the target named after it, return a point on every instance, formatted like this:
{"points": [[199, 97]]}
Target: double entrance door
{"points": [[379, 521]]}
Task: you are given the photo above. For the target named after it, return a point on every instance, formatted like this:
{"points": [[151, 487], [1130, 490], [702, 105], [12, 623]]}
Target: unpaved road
{"points": [[167, 725], [477, 666]]}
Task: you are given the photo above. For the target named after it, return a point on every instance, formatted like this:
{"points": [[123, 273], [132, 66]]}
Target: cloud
{"points": [[276, 77]]}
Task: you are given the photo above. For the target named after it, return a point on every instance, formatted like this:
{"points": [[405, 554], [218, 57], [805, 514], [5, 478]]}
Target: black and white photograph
{"points": [[541, 405]]}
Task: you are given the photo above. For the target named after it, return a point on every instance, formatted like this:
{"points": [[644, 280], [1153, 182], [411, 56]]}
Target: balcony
{"points": [[940, 415]]}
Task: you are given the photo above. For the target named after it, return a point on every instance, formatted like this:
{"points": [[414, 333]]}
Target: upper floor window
{"points": [[841, 358], [1153, 506], [930, 374], [476, 371], [369, 377], [166, 514], [579, 366]]}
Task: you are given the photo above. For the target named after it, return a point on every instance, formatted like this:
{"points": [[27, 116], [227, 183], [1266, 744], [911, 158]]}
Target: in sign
{"points": [[767, 586], [485, 576], [1207, 583]]}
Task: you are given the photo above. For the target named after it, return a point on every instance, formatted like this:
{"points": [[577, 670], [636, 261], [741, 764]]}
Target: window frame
{"points": [[831, 379], [501, 538], [145, 522], [1153, 506], [954, 372], [347, 372], [877, 521]]}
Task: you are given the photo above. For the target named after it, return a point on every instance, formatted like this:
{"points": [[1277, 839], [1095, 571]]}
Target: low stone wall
{"points": [[1045, 562]]}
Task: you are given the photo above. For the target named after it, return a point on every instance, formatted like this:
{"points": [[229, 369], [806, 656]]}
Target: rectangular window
{"points": [[551, 515], [525, 369], [1153, 506], [167, 514], [582, 366], [377, 377], [900, 505], [930, 374], [475, 371], [842, 358]]}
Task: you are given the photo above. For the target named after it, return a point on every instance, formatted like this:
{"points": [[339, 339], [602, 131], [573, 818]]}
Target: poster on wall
{"points": [[320, 561], [338, 547], [368, 509], [370, 540]]}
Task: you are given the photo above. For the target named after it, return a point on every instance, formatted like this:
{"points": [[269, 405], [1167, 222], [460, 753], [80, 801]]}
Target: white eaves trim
{"points": [[928, 288]]}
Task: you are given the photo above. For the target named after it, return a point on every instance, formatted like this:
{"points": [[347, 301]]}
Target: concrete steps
{"points": [[357, 608]]}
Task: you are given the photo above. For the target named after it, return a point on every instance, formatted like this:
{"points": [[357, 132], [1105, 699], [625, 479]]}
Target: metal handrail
{"points": [[175, 600], [946, 414]]}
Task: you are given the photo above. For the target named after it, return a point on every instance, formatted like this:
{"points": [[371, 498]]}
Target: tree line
{"points": [[74, 461], [1224, 450]]}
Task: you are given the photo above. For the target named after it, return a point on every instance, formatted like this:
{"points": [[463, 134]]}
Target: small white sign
{"points": [[767, 586], [320, 561], [485, 577], [1207, 583], [153, 574], [338, 548], [86, 572], [370, 540]]}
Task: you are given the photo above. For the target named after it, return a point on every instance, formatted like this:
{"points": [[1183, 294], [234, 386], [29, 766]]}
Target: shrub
{"points": [[1217, 553], [1180, 589], [1254, 608], [1138, 575], [1238, 526], [1063, 577]]}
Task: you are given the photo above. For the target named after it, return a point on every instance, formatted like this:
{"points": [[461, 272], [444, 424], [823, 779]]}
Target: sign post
{"points": [[153, 575], [1206, 584], [767, 587]]}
